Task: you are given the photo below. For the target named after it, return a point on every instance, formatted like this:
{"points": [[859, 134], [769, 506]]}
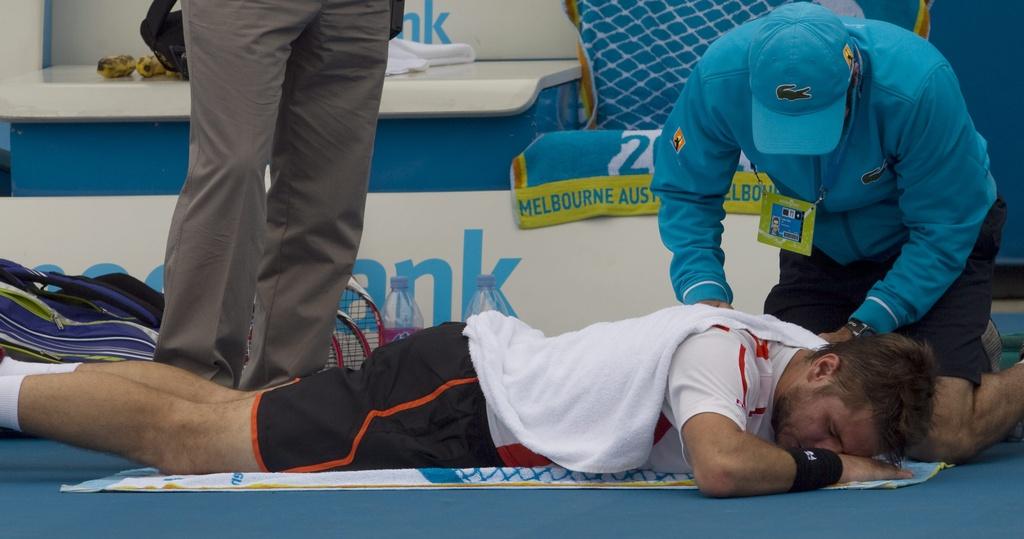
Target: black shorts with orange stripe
{"points": [[416, 403]]}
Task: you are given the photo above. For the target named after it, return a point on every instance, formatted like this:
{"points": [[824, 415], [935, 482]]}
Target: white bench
{"points": [[78, 94], [144, 123]]}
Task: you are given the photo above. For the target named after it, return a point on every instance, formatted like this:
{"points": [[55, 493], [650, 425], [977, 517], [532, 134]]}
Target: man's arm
{"points": [[946, 191], [694, 166], [728, 462]]}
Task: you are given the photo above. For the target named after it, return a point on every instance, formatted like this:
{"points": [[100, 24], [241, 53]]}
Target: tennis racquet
{"points": [[333, 353], [357, 327], [349, 343]]}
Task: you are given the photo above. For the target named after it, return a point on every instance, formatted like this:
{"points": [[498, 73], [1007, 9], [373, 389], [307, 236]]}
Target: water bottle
{"points": [[401, 315], [488, 297]]}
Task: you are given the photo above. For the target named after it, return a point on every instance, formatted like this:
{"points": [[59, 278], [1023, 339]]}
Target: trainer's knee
{"points": [[946, 443], [953, 436]]}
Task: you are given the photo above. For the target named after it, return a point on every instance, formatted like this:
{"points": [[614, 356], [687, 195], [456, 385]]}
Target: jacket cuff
{"points": [[877, 314], [705, 291]]}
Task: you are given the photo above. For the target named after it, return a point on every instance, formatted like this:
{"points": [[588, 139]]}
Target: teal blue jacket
{"points": [[913, 181]]}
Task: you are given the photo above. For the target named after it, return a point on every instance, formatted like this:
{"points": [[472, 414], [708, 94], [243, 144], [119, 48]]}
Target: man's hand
{"points": [[866, 469], [839, 335], [716, 303]]}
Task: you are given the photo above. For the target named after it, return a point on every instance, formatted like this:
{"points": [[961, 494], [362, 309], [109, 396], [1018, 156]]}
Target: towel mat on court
{"points": [[149, 480]]}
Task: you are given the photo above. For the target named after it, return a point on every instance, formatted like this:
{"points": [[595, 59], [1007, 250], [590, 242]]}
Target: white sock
{"points": [[10, 388], [11, 367]]}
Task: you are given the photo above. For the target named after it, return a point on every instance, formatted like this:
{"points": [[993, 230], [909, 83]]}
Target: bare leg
{"points": [[109, 413], [167, 379], [969, 419]]}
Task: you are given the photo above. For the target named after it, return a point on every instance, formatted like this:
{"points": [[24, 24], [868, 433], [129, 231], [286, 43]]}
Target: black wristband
{"points": [[815, 468]]}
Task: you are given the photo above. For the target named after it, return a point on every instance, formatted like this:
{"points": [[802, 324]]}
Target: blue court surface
{"points": [[981, 499]]}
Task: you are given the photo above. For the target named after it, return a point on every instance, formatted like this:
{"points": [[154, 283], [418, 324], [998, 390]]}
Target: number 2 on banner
{"points": [[636, 154]]}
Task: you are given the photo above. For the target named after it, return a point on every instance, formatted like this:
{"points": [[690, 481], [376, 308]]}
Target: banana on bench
{"points": [[112, 67], [149, 66]]}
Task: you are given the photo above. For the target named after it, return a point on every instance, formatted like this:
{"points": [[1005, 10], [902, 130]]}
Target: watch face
{"points": [[859, 328]]}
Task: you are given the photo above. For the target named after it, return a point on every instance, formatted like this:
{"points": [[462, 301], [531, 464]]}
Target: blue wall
{"points": [[983, 40], [5, 136]]}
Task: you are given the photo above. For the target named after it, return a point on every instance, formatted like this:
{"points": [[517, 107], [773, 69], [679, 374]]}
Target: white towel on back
{"points": [[589, 399]]}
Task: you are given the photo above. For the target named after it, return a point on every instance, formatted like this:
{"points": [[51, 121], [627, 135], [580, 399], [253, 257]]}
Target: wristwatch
{"points": [[859, 329]]}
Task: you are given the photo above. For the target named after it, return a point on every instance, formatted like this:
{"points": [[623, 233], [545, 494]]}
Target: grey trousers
{"points": [[296, 83]]}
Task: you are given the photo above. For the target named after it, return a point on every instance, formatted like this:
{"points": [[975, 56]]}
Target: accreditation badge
{"points": [[786, 223]]}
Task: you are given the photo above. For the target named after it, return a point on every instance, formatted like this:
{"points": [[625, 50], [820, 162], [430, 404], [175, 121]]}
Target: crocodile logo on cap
{"points": [[789, 92]]}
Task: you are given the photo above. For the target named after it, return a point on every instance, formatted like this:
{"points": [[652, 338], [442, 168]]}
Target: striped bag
{"points": [[56, 318]]}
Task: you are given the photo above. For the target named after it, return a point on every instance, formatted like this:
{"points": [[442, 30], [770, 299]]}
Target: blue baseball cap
{"points": [[801, 61]]}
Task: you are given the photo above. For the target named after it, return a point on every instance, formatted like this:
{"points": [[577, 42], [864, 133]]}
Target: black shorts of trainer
{"points": [[819, 294], [416, 403]]}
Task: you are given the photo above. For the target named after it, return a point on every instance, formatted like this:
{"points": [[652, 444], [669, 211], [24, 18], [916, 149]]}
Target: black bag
{"points": [[397, 17], [52, 317], [118, 295], [164, 33]]}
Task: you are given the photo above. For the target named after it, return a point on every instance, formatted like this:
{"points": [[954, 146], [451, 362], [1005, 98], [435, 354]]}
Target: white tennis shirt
{"points": [[727, 372], [730, 373]]}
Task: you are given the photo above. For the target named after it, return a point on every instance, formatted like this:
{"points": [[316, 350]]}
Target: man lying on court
{"points": [[689, 388]]}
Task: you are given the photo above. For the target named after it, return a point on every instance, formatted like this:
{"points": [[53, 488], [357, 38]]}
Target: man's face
{"points": [[809, 417]]}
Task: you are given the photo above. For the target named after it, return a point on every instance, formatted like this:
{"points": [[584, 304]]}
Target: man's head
{"points": [[867, 396], [802, 61]]}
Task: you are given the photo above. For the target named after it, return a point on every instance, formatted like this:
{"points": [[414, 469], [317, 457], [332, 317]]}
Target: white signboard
{"points": [[558, 278]]}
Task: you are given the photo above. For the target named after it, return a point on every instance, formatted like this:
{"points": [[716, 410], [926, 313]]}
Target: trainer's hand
{"points": [[714, 303], [839, 335], [866, 469]]}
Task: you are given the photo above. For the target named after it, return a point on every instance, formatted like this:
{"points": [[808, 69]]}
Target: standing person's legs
{"points": [[320, 171], [237, 52]]}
